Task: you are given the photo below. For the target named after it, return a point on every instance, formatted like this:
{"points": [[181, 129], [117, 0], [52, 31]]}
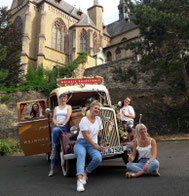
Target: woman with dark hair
{"points": [[35, 112], [61, 116]]}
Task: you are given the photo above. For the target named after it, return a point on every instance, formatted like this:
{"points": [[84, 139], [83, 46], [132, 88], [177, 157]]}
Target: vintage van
{"points": [[35, 133]]}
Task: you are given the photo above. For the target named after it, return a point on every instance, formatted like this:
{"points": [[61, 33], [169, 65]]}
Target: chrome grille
{"points": [[110, 135]]}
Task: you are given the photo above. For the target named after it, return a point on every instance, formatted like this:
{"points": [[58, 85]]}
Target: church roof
{"points": [[119, 27], [106, 33], [86, 21], [64, 6]]}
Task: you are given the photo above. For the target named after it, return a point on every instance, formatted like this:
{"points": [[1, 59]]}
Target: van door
{"points": [[34, 127]]}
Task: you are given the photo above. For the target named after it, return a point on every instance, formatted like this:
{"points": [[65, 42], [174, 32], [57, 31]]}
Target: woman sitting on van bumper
{"points": [[147, 150], [90, 127], [61, 116]]}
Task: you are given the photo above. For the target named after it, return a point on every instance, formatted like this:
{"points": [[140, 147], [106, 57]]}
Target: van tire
{"points": [[68, 166]]}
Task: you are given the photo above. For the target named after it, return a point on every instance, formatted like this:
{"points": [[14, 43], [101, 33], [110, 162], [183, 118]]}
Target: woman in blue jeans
{"points": [[61, 117], [86, 144], [147, 150]]}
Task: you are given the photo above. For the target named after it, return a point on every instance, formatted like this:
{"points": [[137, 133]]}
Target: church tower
{"points": [[124, 11], [96, 14]]}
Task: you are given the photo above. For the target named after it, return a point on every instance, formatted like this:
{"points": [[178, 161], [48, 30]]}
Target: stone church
{"points": [[54, 32]]}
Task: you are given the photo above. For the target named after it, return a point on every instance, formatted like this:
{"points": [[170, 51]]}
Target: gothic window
{"points": [[118, 53], [109, 56], [19, 2], [83, 41], [18, 24], [95, 42], [59, 35]]}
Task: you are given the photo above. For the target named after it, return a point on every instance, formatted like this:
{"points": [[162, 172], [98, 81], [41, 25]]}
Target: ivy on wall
{"points": [[68, 70]]}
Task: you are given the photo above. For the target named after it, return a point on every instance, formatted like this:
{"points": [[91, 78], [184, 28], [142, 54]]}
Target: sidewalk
{"points": [[173, 137]]}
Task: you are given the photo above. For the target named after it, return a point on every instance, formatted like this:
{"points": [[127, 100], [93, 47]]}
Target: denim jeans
{"points": [[54, 137], [136, 167], [81, 149]]}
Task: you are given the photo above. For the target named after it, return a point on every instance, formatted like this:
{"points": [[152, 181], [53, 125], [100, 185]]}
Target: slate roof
{"points": [[64, 6], [86, 21], [106, 33], [119, 27]]}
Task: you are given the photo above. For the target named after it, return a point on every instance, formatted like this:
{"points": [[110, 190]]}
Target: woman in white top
{"points": [[147, 150], [87, 143], [127, 113], [61, 116]]}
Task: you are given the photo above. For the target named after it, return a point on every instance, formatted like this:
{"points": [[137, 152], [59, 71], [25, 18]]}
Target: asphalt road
{"points": [[27, 176]]}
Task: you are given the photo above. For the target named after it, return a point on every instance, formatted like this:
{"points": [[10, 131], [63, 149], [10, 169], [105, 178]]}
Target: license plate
{"points": [[113, 150]]}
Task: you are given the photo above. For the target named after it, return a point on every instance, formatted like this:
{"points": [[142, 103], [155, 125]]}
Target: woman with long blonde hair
{"points": [[147, 150]]}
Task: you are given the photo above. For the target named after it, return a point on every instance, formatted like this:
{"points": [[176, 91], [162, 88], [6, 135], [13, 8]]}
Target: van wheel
{"points": [[125, 157], [68, 166]]}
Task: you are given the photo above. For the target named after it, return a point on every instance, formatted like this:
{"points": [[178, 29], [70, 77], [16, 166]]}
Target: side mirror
{"points": [[119, 103], [47, 111], [73, 131]]}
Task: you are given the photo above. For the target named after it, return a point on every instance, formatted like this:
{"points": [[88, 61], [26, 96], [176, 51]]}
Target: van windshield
{"points": [[78, 100]]}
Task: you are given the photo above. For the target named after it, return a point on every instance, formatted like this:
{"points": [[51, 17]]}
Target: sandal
{"points": [[130, 175]]}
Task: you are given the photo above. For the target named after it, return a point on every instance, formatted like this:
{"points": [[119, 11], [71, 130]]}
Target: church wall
{"points": [[28, 39], [91, 62], [75, 47], [52, 56], [127, 35], [106, 41]]}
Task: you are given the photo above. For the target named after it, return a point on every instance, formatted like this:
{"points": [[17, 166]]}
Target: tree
{"points": [[10, 40], [164, 43], [3, 73]]}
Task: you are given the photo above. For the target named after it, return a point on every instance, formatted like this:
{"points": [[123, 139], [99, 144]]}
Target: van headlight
{"points": [[73, 131]]}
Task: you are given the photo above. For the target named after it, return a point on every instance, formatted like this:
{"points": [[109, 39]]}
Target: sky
{"points": [[110, 7]]}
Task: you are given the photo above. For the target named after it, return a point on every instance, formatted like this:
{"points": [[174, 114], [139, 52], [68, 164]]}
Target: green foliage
{"points": [[5, 99], [9, 146], [3, 77], [164, 35], [10, 50], [68, 70], [39, 79], [4, 148], [44, 80], [123, 75], [3, 53]]}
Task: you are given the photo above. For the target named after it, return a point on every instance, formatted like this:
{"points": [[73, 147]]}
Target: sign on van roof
{"points": [[67, 82]]}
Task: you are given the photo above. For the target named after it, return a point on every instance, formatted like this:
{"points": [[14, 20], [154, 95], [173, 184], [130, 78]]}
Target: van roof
{"points": [[78, 88]]}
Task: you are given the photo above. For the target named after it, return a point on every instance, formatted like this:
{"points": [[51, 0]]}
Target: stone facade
{"points": [[164, 108], [54, 33]]}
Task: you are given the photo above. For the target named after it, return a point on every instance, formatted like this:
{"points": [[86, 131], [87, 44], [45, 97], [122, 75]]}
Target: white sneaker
{"points": [[84, 179], [80, 186], [51, 173]]}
